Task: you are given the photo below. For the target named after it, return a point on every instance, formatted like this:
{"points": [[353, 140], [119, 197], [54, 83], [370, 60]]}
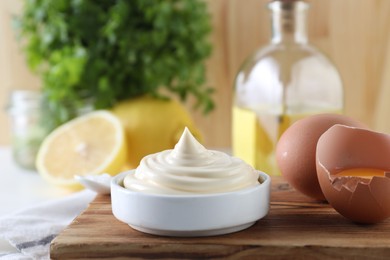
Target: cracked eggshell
{"points": [[358, 199], [296, 151]]}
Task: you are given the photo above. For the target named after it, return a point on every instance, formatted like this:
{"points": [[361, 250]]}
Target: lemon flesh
{"points": [[88, 145]]}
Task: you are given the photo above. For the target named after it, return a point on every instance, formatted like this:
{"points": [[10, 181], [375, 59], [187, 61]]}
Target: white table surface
{"points": [[20, 188]]}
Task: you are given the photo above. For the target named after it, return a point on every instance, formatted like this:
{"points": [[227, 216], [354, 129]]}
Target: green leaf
{"points": [[115, 50]]}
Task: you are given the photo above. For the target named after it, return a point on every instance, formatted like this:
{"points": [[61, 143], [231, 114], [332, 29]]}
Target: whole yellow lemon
{"points": [[152, 125]]}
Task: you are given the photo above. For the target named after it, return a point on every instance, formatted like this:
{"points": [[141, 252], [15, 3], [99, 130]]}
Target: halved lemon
{"points": [[87, 145]]}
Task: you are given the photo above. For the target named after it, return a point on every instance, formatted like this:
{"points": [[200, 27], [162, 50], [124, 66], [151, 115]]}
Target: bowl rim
{"points": [[115, 184]]}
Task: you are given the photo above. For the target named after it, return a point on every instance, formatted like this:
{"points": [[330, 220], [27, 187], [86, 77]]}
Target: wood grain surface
{"points": [[295, 228], [353, 33]]}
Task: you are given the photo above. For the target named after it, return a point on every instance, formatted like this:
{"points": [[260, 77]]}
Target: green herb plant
{"points": [[105, 51]]}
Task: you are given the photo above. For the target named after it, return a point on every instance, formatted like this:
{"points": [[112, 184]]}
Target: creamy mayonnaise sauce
{"points": [[190, 169]]}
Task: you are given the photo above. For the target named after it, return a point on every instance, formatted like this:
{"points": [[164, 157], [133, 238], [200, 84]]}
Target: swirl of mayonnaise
{"points": [[190, 169]]}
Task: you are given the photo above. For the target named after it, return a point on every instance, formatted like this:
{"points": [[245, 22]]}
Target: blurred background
{"points": [[355, 35]]}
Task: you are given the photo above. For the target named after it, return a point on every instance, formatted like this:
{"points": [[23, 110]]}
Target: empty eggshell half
{"points": [[362, 198]]}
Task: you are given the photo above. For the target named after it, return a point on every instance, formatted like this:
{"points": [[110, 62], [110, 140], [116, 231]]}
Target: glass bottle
{"points": [[281, 83]]}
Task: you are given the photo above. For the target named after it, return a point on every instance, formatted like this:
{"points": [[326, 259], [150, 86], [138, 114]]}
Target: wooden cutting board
{"points": [[295, 228]]}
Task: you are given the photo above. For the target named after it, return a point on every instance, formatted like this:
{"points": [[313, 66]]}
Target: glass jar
{"points": [[281, 83], [32, 120], [25, 110]]}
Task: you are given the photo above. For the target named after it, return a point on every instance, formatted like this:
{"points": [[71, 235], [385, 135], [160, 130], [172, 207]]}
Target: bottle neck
{"points": [[289, 21]]}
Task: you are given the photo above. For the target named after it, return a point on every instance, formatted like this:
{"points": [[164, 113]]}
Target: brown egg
{"points": [[296, 151], [353, 168]]}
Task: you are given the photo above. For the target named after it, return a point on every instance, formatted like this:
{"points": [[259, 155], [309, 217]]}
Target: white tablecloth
{"points": [[20, 188]]}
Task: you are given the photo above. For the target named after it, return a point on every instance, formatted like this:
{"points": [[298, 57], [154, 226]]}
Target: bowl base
{"points": [[193, 233]]}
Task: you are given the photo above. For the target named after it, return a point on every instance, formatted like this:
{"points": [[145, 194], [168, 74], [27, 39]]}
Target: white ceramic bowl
{"points": [[190, 215]]}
